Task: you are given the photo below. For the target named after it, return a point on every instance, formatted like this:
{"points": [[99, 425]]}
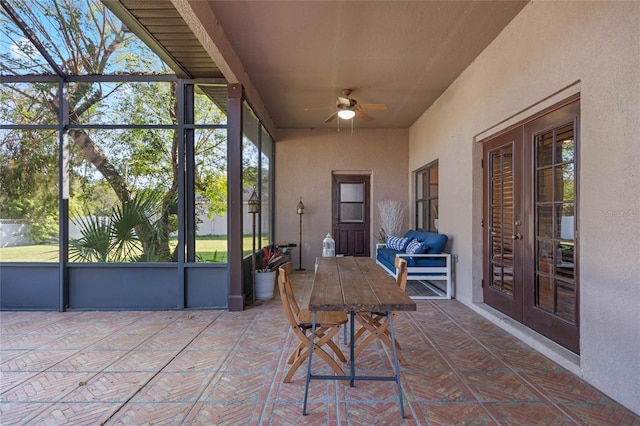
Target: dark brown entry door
{"points": [[530, 226], [351, 214]]}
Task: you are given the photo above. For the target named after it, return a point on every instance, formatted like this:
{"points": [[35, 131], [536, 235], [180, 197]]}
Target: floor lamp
{"points": [[300, 213], [254, 208]]}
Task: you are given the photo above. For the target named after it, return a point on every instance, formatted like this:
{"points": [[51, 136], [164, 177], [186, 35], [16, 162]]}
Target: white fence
{"points": [[15, 232]]}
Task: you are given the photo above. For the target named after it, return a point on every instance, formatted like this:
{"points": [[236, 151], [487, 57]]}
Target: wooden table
{"points": [[355, 284]]}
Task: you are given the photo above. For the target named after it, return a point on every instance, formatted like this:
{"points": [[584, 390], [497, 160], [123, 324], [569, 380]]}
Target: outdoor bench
{"points": [[426, 260]]}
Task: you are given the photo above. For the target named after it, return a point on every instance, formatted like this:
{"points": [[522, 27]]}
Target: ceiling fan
{"points": [[348, 107]]}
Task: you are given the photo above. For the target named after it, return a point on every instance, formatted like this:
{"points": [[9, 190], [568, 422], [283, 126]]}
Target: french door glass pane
{"points": [[545, 185], [565, 183], [544, 146], [565, 151], [546, 299], [555, 205], [566, 297], [545, 257], [564, 221], [564, 264], [545, 221]]}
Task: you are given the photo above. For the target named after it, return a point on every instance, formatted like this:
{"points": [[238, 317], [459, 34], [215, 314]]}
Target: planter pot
{"points": [[265, 282]]}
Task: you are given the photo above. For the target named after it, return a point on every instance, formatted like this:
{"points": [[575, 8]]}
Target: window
{"points": [[427, 197], [266, 184], [257, 174]]}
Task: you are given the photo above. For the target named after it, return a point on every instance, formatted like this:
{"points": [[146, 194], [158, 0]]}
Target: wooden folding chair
{"points": [[373, 322], [301, 322]]}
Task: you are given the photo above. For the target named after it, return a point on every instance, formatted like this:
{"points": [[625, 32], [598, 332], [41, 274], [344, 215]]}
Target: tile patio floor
{"points": [[219, 367]]}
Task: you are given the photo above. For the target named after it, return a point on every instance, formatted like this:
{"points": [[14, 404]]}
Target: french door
{"points": [[530, 224], [503, 282], [351, 214]]}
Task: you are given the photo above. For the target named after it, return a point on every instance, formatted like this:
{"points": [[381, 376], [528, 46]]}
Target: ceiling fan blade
{"points": [[344, 101], [374, 107], [331, 117], [363, 116]]}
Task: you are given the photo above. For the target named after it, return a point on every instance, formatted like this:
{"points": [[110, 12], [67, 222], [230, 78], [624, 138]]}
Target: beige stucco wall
{"points": [[305, 161], [587, 47]]}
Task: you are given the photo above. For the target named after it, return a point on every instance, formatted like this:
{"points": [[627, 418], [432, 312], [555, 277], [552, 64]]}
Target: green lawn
{"points": [[208, 249], [35, 253]]}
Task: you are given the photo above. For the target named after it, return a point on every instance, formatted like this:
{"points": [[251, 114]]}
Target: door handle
{"points": [[516, 237]]}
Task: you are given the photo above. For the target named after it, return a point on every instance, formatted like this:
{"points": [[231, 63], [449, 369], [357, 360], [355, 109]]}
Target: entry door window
{"points": [[352, 202]]}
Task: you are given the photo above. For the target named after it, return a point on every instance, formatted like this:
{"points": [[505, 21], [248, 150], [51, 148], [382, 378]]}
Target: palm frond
{"points": [[95, 243]]}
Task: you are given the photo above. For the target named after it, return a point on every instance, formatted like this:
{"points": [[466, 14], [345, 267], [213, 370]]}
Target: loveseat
{"points": [[426, 260]]}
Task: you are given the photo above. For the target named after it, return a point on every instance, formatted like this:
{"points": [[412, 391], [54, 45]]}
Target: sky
{"points": [[21, 57]]}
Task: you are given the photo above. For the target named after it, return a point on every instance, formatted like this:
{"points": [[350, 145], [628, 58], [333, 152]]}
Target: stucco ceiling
{"points": [[299, 55]]}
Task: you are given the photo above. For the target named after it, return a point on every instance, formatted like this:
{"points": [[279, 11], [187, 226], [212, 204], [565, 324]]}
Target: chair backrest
{"points": [[286, 297], [287, 284], [401, 273]]}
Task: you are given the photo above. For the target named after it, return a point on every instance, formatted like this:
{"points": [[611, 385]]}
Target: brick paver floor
{"points": [[217, 367]]}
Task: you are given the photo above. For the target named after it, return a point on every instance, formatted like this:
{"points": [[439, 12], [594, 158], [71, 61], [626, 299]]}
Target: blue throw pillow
{"points": [[391, 243], [417, 247], [410, 235], [396, 243], [424, 248], [413, 247]]}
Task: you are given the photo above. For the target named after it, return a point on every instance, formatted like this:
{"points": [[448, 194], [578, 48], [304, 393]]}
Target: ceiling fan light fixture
{"points": [[346, 114]]}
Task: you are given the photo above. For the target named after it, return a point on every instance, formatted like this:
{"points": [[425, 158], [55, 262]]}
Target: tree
{"points": [[28, 181], [83, 38]]}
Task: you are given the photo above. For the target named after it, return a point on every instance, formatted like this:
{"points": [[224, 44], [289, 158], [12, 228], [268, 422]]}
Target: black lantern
{"points": [[300, 213], [254, 208], [254, 203]]}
